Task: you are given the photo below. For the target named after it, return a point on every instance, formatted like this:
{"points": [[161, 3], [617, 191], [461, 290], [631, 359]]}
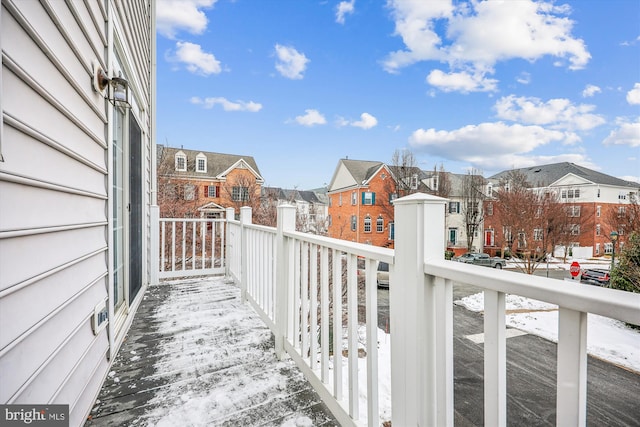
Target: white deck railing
{"points": [[190, 247], [307, 288]]}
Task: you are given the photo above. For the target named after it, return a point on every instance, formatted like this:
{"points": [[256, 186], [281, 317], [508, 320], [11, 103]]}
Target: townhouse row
{"points": [[357, 205]]}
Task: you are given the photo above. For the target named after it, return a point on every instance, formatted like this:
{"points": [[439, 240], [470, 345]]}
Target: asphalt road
{"points": [[612, 392]]}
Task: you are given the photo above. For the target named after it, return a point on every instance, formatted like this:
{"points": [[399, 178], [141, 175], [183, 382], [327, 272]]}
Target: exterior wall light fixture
{"points": [[115, 89]]}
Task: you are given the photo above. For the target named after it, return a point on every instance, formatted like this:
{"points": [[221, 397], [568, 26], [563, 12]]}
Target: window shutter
{"points": [[363, 197], [206, 191], [373, 198], [217, 191]]}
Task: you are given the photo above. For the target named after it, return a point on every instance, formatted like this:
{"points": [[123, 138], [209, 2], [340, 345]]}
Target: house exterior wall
{"points": [[340, 213], [185, 193], [56, 224], [594, 209]]}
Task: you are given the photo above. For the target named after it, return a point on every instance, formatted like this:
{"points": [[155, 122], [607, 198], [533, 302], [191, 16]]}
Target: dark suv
{"points": [[595, 276]]}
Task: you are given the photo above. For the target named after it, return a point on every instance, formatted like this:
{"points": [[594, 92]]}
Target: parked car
{"points": [[383, 274], [481, 259], [595, 276]]}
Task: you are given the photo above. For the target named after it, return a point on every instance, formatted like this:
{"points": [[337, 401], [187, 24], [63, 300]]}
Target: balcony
{"points": [[324, 321]]}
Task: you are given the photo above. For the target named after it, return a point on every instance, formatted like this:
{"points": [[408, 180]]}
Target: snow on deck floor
{"points": [[196, 356]]}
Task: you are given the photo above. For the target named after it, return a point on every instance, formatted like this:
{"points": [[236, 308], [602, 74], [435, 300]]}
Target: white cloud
{"points": [[175, 15], [461, 82], [227, 105], [590, 90], [524, 78], [558, 113], [311, 118], [344, 8], [367, 121], [196, 61], [633, 96], [480, 34], [627, 133], [490, 146], [291, 63]]}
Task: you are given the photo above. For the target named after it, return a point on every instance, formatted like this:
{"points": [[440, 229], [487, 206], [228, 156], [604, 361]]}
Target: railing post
{"points": [[154, 262], [229, 214], [245, 218], [286, 222], [571, 397], [419, 236]]}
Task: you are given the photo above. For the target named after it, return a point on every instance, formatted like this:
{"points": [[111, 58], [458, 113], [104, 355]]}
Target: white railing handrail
{"points": [[615, 304], [355, 248]]}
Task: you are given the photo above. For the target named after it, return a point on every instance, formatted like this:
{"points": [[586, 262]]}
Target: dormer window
{"points": [[201, 163], [181, 161], [414, 181]]}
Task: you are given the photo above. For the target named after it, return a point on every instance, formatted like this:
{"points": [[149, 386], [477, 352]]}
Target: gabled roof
{"points": [[217, 163], [291, 195], [361, 170], [358, 171], [546, 175]]}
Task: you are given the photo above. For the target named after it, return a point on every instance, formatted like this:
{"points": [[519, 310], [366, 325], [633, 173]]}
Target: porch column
{"points": [[284, 274], [155, 244], [229, 215], [419, 236], [245, 218]]}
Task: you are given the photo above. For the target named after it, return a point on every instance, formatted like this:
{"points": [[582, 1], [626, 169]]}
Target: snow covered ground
{"points": [[607, 339]]}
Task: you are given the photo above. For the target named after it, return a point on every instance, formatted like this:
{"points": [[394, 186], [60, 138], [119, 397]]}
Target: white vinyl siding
{"points": [[55, 184]]}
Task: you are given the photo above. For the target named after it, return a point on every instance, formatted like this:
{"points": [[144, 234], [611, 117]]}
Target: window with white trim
{"points": [[490, 209], [181, 161], [240, 194], [212, 190], [454, 207], [608, 248], [380, 224], [575, 229], [367, 224], [573, 211], [598, 210], [354, 223], [414, 181], [354, 198], [201, 163], [368, 198], [597, 248], [597, 229], [189, 192], [538, 234]]}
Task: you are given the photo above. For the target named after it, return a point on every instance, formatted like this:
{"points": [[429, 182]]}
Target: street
{"points": [[531, 374]]}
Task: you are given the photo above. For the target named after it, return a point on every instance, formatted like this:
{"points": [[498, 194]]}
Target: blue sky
{"points": [[490, 85]]}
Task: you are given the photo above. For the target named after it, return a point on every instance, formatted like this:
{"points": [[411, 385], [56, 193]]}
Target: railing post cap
{"points": [[417, 198], [286, 206]]}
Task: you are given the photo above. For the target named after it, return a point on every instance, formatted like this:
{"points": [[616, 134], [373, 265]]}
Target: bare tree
{"points": [[529, 219], [404, 167], [177, 197], [473, 197]]}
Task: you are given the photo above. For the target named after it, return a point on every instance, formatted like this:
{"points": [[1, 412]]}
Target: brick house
{"points": [[596, 203], [199, 184], [360, 209]]}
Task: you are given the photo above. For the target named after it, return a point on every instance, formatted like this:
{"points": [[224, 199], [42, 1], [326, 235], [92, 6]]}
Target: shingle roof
{"points": [[544, 175], [361, 170], [217, 163]]}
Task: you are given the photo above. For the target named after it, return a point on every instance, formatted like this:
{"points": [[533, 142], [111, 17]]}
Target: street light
{"points": [[614, 237]]}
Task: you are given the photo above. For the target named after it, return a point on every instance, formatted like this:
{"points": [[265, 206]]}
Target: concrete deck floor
{"points": [[179, 366]]}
